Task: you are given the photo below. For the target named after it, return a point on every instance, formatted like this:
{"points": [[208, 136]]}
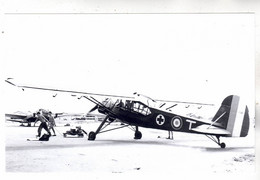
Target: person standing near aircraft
{"points": [[170, 135], [51, 123], [43, 124]]}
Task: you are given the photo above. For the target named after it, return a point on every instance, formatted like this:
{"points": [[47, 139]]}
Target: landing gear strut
{"points": [[92, 135], [217, 141], [222, 145]]}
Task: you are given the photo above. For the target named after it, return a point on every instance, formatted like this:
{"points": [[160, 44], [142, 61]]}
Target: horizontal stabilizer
{"points": [[205, 129]]}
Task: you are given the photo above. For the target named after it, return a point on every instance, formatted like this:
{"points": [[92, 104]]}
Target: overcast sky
{"points": [[189, 57]]}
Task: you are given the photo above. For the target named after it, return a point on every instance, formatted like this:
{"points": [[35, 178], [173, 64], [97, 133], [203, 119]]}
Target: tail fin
{"points": [[233, 117]]}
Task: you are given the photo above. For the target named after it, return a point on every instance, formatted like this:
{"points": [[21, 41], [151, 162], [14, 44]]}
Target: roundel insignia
{"points": [[160, 119], [176, 123]]}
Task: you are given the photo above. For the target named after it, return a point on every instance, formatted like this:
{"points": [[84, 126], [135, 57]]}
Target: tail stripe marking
{"points": [[233, 113], [239, 120]]}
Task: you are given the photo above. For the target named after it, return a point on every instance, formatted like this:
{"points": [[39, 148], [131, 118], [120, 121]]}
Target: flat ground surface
{"points": [[118, 152]]}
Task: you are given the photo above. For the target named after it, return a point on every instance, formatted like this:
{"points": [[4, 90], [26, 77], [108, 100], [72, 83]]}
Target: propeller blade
{"points": [[93, 109]]}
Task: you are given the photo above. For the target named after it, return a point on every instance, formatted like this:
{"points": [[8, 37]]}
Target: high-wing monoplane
{"points": [[230, 120]]}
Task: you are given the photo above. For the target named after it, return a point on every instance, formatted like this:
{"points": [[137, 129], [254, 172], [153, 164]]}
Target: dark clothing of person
{"points": [[43, 124], [45, 127]]}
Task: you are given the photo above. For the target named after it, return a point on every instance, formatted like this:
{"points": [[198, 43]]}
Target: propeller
{"points": [[93, 109]]}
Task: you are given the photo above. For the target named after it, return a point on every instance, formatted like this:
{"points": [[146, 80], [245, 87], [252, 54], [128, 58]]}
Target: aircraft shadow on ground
{"points": [[215, 149], [101, 143], [173, 143]]}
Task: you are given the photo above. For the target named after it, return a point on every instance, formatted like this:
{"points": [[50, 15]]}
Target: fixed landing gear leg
{"points": [[217, 141], [138, 134], [92, 135], [222, 145]]}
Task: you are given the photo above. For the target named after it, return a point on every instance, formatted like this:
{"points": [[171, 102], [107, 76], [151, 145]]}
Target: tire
{"points": [[138, 135], [91, 136], [222, 145]]}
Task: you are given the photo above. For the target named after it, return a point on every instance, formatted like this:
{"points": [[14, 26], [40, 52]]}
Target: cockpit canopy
{"points": [[135, 106], [108, 102], [130, 105]]}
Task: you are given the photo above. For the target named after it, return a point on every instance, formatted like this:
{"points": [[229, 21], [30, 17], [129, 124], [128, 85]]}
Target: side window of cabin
{"points": [[140, 108]]}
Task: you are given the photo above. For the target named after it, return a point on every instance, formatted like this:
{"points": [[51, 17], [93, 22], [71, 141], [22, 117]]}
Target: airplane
{"points": [[21, 118], [231, 119], [28, 118]]}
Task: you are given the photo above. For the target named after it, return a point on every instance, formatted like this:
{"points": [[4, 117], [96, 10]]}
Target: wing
{"points": [[170, 101], [97, 94], [65, 91], [15, 116], [184, 102], [13, 120]]}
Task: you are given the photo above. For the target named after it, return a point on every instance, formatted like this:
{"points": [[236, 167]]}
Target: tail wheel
{"points": [[217, 141], [138, 135], [92, 136], [222, 145]]}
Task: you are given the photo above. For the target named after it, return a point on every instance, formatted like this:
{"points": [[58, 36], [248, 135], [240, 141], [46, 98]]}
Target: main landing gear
{"points": [[138, 134], [217, 140], [92, 135]]}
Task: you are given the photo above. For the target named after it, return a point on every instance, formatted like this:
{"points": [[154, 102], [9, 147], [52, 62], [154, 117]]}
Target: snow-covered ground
{"points": [[118, 152]]}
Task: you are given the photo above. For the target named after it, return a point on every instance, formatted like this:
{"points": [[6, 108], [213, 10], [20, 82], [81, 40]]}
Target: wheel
{"points": [[222, 145], [92, 136], [64, 135], [138, 135]]}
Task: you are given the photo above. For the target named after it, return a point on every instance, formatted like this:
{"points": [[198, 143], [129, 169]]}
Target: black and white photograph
{"points": [[122, 93]]}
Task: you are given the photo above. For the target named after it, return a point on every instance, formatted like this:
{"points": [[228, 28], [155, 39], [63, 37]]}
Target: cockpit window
{"points": [[141, 108], [135, 106]]}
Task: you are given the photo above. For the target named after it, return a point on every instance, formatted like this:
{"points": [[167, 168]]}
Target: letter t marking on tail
{"points": [[191, 122]]}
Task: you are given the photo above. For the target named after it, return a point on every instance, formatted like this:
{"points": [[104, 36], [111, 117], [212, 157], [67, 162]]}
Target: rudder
{"points": [[233, 116]]}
